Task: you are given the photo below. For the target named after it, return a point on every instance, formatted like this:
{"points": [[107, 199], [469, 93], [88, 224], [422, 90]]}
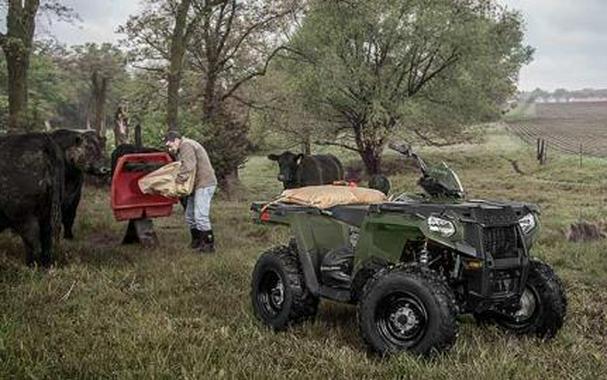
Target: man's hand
{"points": [[181, 179]]}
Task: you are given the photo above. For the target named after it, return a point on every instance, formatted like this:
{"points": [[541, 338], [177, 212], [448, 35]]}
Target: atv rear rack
{"points": [[278, 212]]}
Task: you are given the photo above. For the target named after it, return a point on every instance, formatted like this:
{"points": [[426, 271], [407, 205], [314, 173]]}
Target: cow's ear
{"points": [[272, 157], [299, 158]]}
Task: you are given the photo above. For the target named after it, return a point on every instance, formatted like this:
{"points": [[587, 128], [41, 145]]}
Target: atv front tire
{"points": [[543, 305], [278, 290], [407, 308]]}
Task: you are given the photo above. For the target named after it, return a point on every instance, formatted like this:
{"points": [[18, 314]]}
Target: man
{"points": [[194, 159]]}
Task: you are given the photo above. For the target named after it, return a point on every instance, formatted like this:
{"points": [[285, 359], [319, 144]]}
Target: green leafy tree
{"points": [[562, 94], [206, 56], [50, 86], [415, 67], [158, 38], [280, 119], [17, 44], [231, 47], [536, 94]]}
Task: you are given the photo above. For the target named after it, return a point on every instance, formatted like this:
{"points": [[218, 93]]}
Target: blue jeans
{"points": [[197, 211]]}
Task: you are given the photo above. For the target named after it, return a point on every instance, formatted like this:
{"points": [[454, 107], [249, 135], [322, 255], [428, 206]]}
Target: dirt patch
{"points": [[103, 239], [586, 231]]}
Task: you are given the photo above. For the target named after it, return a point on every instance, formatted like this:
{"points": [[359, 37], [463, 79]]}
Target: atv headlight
{"points": [[440, 225], [527, 223]]}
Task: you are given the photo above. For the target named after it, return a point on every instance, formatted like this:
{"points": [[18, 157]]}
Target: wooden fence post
{"points": [[541, 151]]}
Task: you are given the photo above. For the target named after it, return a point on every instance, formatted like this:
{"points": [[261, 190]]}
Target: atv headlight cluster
{"points": [[440, 225], [527, 223]]}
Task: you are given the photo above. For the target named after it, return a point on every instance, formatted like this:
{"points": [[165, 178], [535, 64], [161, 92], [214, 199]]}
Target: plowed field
{"points": [[567, 127]]}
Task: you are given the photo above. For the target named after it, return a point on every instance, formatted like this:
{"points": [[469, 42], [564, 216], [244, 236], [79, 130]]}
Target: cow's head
{"points": [[82, 150], [288, 163]]}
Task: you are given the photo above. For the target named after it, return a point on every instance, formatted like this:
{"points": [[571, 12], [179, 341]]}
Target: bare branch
{"points": [[248, 32], [428, 140], [332, 143], [224, 38], [252, 75], [452, 59], [151, 69]]}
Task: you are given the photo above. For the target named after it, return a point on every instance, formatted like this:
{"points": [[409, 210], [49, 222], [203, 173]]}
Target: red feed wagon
{"points": [[129, 203]]}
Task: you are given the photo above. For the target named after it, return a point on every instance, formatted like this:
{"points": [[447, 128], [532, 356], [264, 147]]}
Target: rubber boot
{"points": [[207, 242], [196, 238]]}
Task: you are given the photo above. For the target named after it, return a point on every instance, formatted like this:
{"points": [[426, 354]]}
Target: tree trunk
{"points": [[17, 65], [306, 146], [17, 95], [121, 126], [210, 105], [230, 183], [173, 101], [177, 52], [372, 159], [99, 95], [368, 146], [138, 138], [17, 47]]}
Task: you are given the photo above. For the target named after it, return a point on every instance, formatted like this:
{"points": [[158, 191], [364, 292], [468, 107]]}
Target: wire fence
{"points": [[586, 144]]}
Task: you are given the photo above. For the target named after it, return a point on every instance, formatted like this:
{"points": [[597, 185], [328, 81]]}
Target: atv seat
{"points": [[350, 214]]}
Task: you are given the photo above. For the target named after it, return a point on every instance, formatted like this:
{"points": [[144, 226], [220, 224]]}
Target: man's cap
{"points": [[172, 136]]}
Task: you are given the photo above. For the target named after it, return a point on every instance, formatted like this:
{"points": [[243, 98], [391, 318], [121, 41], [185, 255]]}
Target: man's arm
{"points": [[187, 155]]}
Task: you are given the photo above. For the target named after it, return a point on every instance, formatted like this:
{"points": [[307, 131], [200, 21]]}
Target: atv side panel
{"points": [[385, 235]]}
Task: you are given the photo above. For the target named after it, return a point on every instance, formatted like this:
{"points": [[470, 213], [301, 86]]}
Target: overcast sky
{"points": [[570, 37]]}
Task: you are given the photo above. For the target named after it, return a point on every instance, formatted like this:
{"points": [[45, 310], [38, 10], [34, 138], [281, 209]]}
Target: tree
{"points": [[232, 45], [537, 94], [182, 31], [158, 40], [415, 67], [279, 117], [121, 125], [206, 52], [98, 65], [17, 45], [47, 89], [562, 95]]}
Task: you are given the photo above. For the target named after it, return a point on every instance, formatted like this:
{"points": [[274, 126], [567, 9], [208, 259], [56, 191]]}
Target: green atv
{"points": [[411, 265]]}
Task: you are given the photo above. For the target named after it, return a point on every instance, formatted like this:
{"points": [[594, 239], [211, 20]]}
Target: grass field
{"points": [[126, 312], [566, 127]]}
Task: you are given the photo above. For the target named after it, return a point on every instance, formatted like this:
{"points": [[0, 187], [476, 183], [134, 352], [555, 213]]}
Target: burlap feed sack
{"points": [[327, 196], [162, 182]]}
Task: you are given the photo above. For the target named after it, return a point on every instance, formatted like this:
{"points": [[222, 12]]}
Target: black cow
{"points": [[123, 149], [74, 176], [298, 170], [32, 176]]}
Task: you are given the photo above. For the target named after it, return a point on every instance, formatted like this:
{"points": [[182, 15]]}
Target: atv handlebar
{"points": [[407, 151]]}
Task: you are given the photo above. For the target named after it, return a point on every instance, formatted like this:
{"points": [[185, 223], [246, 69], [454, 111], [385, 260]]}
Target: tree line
{"points": [[241, 75], [562, 95]]}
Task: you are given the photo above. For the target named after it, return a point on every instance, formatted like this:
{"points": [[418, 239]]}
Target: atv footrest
{"points": [[335, 294]]}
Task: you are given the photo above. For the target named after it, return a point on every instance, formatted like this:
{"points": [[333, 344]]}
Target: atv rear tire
{"points": [[407, 308], [543, 305], [278, 290]]}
